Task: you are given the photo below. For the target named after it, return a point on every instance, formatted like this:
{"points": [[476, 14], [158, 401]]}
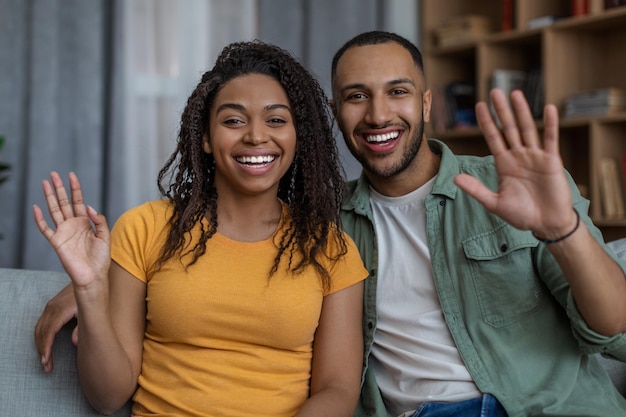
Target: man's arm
{"points": [[534, 195]]}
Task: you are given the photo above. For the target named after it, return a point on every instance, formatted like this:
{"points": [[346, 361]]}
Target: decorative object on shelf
{"points": [[462, 29]]}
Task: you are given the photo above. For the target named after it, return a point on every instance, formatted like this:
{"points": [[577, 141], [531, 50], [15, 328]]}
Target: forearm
{"points": [[334, 401], [104, 368], [597, 282]]}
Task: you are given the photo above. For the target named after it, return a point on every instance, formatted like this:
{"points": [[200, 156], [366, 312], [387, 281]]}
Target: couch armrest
{"points": [[25, 390]]}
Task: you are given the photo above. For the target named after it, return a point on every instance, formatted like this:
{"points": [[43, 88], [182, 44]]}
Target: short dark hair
{"points": [[376, 37]]}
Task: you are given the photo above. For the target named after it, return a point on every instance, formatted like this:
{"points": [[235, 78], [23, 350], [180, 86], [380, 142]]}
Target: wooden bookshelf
{"points": [[574, 53]]}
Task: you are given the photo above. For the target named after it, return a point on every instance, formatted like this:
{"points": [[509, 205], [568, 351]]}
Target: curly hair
{"points": [[311, 187]]}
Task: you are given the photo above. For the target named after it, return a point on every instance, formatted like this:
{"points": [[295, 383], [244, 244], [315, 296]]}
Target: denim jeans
{"points": [[485, 406]]}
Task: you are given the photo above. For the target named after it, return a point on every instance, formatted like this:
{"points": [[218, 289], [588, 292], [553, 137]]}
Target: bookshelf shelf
{"points": [[572, 54]]}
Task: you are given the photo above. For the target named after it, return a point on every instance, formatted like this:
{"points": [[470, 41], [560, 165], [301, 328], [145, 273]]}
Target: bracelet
{"points": [[551, 241]]}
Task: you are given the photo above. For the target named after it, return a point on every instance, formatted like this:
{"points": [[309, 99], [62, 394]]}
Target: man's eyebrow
{"points": [[401, 81], [361, 86]]}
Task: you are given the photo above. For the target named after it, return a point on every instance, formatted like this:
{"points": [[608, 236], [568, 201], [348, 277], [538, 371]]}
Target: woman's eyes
{"points": [[271, 121]]}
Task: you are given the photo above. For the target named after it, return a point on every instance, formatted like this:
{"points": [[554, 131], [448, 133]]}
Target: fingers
{"points": [[41, 223], [489, 129], [477, 190], [77, 196], [525, 119], [551, 129], [517, 123], [59, 205], [57, 199], [58, 311]]}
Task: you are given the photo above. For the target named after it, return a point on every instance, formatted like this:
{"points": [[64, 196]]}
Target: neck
{"points": [[250, 219]]}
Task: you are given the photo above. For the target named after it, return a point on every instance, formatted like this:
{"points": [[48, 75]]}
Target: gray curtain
{"points": [[60, 105], [55, 90]]}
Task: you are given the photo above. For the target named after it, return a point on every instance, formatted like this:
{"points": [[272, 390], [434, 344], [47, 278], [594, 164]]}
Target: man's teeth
{"points": [[265, 159], [382, 138]]}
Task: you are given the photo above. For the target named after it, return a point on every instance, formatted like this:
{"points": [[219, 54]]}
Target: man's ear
{"points": [[206, 146], [427, 101]]}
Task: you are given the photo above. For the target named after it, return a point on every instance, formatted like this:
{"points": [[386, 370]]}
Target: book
{"points": [[460, 99], [611, 194], [579, 7], [533, 90], [596, 102], [508, 18], [506, 80]]}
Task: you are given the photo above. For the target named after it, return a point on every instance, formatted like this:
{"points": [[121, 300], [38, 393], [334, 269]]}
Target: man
{"points": [[487, 291], [467, 312]]}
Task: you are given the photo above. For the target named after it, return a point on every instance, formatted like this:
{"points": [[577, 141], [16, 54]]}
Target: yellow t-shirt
{"points": [[223, 338]]}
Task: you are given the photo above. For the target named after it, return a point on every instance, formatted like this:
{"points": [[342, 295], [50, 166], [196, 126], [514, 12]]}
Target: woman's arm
{"points": [[110, 302], [337, 355], [110, 340]]}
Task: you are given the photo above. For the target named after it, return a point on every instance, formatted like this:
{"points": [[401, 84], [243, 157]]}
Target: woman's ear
{"points": [[206, 146]]}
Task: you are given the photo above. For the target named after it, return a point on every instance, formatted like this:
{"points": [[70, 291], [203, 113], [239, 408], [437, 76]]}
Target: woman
{"points": [[237, 294]]}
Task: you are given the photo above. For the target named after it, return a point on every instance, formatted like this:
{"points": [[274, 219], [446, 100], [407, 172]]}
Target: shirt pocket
{"points": [[503, 274]]}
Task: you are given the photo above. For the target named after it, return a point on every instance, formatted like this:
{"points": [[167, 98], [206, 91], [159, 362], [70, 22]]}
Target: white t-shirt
{"points": [[414, 357]]}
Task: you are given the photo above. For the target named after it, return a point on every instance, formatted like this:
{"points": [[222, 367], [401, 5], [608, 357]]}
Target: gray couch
{"points": [[25, 390]]}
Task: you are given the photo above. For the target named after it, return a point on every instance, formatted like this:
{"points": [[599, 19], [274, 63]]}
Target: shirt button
{"points": [[504, 247], [370, 325], [442, 203]]}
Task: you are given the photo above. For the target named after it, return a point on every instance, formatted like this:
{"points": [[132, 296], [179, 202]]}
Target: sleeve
{"points": [[348, 269], [137, 238], [589, 341]]}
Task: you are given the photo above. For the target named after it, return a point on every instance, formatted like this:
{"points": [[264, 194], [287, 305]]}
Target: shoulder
{"points": [[150, 215]]}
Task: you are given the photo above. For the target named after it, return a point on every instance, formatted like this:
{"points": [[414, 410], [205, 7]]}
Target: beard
{"points": [[412, 147]]}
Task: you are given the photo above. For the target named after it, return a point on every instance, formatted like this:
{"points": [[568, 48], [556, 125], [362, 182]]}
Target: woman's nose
{"points": [[255, 134]]}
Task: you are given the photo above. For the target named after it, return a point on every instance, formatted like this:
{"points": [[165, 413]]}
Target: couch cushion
{"points": [[25, 390]]}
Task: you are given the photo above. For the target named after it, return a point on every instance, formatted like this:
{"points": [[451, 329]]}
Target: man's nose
{"points": [[378, 112]]}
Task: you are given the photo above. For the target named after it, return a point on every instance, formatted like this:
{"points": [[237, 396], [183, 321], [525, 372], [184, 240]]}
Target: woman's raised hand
{"points": [[81, 236]]}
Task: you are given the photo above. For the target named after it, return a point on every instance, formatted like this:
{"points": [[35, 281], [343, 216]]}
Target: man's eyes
{"points": [[356, 96]]}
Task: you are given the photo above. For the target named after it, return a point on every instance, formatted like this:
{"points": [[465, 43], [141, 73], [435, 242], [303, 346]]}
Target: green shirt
{"points": [[504, 298]]}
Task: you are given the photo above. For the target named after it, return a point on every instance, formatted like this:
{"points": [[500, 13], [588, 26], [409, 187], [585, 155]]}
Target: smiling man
{"points": [[489, 285]]}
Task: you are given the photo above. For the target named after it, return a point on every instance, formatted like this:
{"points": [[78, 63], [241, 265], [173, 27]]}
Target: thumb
{"points": [[100, 222]]}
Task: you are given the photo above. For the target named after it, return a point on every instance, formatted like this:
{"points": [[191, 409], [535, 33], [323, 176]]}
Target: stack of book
{"points": [[597, 102]]}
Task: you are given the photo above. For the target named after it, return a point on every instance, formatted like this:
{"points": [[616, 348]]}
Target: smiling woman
{"points": [[239, 288]]}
